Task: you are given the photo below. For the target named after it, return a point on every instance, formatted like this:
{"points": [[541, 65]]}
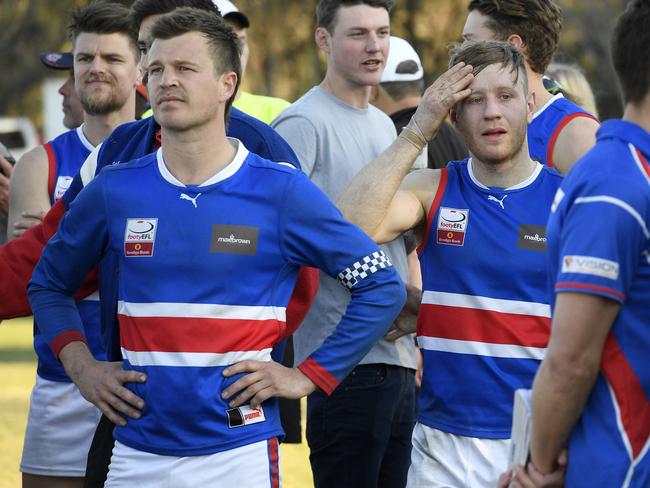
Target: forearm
{"points": [[75, 357], [366, 199], [560, 392], [375, 303]]}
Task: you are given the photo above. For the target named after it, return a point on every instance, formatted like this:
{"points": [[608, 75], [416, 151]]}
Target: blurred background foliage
{"points": [[284, 60]]}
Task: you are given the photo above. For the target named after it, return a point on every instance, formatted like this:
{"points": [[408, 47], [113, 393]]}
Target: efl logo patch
{"points": [[62, 185], [244, 415], [591, 266], [452, 225], [234, 239], [139, 237]]}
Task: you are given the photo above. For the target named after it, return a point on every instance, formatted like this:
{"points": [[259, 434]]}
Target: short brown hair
{"points": [[482, 54], [629, 42], [104, 18], [327, 9], [222, 40], [537, 22]]}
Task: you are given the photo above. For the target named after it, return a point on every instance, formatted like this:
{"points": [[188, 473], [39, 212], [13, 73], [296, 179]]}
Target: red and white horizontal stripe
{"points": [[468, 324], [190, 334]]}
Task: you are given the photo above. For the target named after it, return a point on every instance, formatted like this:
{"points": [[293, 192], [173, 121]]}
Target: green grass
{"points": [[18, 369]]}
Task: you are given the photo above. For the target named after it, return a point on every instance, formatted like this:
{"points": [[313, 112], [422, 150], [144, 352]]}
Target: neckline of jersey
{"points": [[523, 184], [221, 175]]}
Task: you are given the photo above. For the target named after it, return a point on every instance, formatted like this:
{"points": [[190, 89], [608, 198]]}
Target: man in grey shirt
{"points": [[360, 435]]}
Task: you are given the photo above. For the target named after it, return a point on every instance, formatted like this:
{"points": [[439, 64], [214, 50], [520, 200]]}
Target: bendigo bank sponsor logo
{"points": [[452, 225], [139, 237]]}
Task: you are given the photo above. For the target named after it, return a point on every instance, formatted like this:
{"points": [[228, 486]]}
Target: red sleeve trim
{"points": [[434, 207], [556, 133], [322, 378], [65, 338], [51, 171], [563, 286]]}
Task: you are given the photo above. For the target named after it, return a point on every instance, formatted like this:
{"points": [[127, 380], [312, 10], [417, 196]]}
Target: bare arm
{"points": [[28, 194], [581, 323], [576, 138], [372, 200], [5, 173]]}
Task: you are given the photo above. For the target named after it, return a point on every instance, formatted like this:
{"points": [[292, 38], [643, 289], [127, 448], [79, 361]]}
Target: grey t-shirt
{"points": [[333, 141]]}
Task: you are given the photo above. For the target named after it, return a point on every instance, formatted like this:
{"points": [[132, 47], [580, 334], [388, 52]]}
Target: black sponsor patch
{"points": [[532, 237], [234, 239], [235, 417]]}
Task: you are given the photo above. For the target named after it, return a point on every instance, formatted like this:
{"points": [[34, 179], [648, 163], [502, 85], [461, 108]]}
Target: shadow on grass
{"points": [[17, 355]]}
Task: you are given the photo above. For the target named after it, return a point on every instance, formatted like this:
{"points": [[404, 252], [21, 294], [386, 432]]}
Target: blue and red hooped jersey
{"points": [[484, 319], [205, 275], [547, 124], [66, 153], [599, 243]]}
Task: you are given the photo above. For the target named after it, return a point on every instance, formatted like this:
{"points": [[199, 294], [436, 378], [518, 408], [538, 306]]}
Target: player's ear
{"points": [[530, 103], [323, 39]]}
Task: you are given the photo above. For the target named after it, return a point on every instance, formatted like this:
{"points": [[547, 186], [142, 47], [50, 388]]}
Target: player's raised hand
{"points": [[101, 382], [265, 379], [450, 88]]}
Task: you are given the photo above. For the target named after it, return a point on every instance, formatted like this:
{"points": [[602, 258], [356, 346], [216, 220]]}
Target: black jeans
{"points": [[360, 436]]}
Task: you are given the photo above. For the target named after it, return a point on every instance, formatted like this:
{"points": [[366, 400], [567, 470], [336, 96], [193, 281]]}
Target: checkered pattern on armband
{"points": [[361, 269]]}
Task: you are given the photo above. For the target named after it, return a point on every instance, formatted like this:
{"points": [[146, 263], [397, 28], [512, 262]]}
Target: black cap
{"points": [[57, 60]]}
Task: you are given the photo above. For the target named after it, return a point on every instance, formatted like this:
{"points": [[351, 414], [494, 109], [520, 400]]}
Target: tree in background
{"points": [[284, 59]]}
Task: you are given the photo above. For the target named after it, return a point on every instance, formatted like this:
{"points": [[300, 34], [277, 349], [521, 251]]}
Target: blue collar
{"points": [[626, 132]]}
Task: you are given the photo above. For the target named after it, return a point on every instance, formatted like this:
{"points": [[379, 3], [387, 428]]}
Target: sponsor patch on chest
{"points": [[139, 237], [590, 265], [532, 237], [452, 226], [244, 415], [62, 185], [234, 239]]}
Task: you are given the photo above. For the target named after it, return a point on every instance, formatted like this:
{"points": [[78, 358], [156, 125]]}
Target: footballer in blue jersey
{"points": [[209, 239], [592, 391], [560, 131], [483, 313]]}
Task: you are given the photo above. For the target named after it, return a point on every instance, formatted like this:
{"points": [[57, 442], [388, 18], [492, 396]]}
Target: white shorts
{"points": [[442, 459], [251, 466], [60, 428]]}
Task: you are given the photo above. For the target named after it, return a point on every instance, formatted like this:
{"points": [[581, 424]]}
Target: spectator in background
{"points": [[73, 115], [574, 84], [261, 107], [399, 94], [359, 433]]}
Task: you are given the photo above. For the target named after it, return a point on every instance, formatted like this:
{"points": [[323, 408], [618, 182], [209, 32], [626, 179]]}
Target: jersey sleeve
{"points": [[316, 234], [604, 237], [301, 135], [72, 252]]}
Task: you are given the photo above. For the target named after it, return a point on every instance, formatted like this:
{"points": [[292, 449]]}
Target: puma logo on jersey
{"points": [[187, 197], [495, 199]]}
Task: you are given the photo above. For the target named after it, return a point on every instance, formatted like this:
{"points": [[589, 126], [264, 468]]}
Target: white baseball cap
{"points": [[227, 8], [400, 51]]}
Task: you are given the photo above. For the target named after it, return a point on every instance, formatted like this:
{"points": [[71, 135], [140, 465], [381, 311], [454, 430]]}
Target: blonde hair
{"points": [[574, 85]]}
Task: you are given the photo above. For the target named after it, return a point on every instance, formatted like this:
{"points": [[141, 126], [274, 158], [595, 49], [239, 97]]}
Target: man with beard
{"points": [[61, 423], [483, 319]]}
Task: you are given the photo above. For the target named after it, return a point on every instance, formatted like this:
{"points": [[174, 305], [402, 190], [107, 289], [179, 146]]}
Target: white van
{"points": [[18, 135]]}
